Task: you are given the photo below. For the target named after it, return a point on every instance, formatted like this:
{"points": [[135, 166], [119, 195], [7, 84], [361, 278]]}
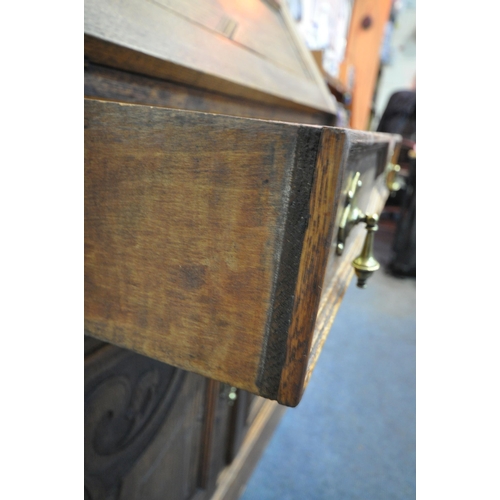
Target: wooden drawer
{"points": [[366, 154], [207, 238]]}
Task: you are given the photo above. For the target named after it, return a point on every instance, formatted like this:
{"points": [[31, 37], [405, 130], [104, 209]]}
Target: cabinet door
{"points": [[207, 238], [143, 428]]}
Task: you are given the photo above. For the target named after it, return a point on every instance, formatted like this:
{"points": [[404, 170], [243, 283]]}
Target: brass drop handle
{"points": [[366, 264]]}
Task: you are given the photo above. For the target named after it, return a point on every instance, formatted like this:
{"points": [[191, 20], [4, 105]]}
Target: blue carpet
{"points": [[353, 434]]}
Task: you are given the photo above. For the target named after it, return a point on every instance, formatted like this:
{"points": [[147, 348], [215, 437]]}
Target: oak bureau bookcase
{"points": [[221, 223]]}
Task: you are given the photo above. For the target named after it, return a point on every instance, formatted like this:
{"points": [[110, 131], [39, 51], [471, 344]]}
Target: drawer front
{"points": [[207, 238], [366, 155]]}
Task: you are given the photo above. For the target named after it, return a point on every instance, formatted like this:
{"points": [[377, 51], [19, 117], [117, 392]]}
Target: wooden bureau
{"points": [[215, 185]]}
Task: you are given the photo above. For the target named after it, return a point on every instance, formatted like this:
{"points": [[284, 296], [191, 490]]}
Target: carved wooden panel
{"points": [[143, 427]]}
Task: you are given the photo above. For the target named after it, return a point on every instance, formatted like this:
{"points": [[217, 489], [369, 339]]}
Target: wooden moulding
{"points": [[111, 84], [207, 238], [313, 253], [231, 479], [101, 52]]}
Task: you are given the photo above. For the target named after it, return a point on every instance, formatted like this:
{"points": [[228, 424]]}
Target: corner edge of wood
{"points": [[316, 249]]}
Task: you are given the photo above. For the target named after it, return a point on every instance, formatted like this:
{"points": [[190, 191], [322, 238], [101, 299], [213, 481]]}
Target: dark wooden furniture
{"points": [[211, 276]]}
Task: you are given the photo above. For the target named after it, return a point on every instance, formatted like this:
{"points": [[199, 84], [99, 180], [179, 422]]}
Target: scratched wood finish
{"points": [[208, 237], [186, 215], [176, 47]]}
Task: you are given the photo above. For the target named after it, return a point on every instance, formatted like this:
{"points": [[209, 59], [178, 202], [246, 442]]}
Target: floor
{"points": [[353, 434]]}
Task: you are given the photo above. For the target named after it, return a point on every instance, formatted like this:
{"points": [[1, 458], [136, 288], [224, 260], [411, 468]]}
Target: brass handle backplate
{"points": [[365, 264], [350, 214]]}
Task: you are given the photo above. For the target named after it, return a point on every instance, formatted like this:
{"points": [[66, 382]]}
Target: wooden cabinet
{"points": [[211, 273]]}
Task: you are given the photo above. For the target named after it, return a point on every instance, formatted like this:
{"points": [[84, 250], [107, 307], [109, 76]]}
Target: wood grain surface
{"points": [[259, 61], [111, 84], [314, 255], [207, 237], [185, 217], [324, 276]]}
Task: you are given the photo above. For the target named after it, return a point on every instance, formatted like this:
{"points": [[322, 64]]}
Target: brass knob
{"points": [[366, 264], [228, 393], [232, 396], [392, 182]]}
